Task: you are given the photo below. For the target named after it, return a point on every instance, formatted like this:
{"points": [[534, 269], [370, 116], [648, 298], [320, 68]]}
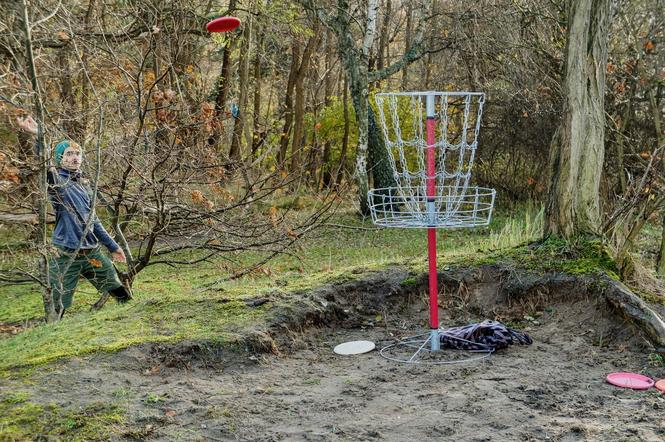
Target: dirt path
{"points": [[551, 390]]}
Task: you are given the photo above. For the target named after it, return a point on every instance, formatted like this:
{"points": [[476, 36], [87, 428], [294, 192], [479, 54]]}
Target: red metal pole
{"points": [[431, 231]]}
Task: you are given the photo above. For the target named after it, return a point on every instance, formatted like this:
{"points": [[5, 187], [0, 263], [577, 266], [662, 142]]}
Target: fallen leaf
{"points": [[273, 216], [152, 370], [197, 196]]}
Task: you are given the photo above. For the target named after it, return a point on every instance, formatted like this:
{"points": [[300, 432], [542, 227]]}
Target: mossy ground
{"points": [[23, 420], [585, 256]]}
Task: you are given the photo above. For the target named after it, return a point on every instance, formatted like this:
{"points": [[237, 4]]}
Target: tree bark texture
{"points": [[223, 85], [258, 135], [382, 171], [345, 138], [43, 157], [288, 107], [577, 149], [356, 61], [326, 167], [299, 105], [235, 153], [407, 43], [656, 108]]}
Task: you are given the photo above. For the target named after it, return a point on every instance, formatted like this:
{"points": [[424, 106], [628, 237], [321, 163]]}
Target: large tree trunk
{"points": [[357, 66], [382, 171], [577, 148], [358, 87]]}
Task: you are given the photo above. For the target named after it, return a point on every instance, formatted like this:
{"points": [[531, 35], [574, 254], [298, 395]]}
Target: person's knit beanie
{"points": [[60, 150]]}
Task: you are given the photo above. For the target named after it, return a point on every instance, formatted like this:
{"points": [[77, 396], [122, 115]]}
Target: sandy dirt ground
{"points": [[554, 389]]}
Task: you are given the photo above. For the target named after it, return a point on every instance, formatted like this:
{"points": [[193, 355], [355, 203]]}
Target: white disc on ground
{"points": [[354, 347]]}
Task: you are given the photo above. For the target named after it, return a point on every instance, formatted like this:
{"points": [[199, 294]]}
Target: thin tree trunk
{"points": [[67, 95], [43, 156], [82, 121], [577, 149], [223, 85], [257, 135], [383, 37], [407, 43], [235, 153], [288, 106], [326, 167], [660, 265], [646, 209], [345, 138], [299, 108], [660, 139]]}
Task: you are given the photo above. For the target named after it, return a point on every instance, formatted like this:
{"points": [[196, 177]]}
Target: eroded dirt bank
{"points": [[285, 383]]}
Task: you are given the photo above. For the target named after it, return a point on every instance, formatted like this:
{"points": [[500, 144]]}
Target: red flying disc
{"points": [[661, 385], [223, 24], [630, 380]]}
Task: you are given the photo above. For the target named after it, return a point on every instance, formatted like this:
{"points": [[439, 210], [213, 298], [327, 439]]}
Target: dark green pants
{"points": [[91, 264]]}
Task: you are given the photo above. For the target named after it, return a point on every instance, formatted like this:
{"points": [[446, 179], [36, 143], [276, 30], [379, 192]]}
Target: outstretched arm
{"points": [[102, 235], [29, 125]]}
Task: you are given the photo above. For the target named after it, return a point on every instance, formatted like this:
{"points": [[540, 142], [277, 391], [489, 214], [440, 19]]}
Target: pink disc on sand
{"points": [[223, 24], [661, 385], [630, 380]]}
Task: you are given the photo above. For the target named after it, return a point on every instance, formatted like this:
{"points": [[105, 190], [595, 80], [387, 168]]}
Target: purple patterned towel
{"points": [[487, 335]]}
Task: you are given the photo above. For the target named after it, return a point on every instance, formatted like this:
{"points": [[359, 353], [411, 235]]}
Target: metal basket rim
{"points": [[427, 93], [475, 191]]}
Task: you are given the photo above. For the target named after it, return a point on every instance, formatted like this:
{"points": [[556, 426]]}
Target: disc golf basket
{"points": [[432, 139]]}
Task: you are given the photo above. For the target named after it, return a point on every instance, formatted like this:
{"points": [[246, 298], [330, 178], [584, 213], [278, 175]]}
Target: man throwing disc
{"points": [[78, 245]]}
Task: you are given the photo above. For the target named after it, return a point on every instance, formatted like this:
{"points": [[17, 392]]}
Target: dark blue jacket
{"points": [[71, 199]]}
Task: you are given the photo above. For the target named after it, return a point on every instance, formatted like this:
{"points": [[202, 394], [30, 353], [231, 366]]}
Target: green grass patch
{"points": [[26, 421]]}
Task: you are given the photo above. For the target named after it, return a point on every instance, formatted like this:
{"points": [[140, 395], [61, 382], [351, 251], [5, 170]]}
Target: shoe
{"points": [[121, 294]]}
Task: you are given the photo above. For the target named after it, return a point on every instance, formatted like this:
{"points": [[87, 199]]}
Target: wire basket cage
{"points": [[432, 139], [390, 208]]}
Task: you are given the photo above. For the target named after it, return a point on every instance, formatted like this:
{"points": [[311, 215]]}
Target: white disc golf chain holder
{"points": [[432, 139]]}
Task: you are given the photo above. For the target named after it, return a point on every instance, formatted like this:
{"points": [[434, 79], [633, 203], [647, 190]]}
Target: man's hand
{"points": [[118, 256], [27, 124]]}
